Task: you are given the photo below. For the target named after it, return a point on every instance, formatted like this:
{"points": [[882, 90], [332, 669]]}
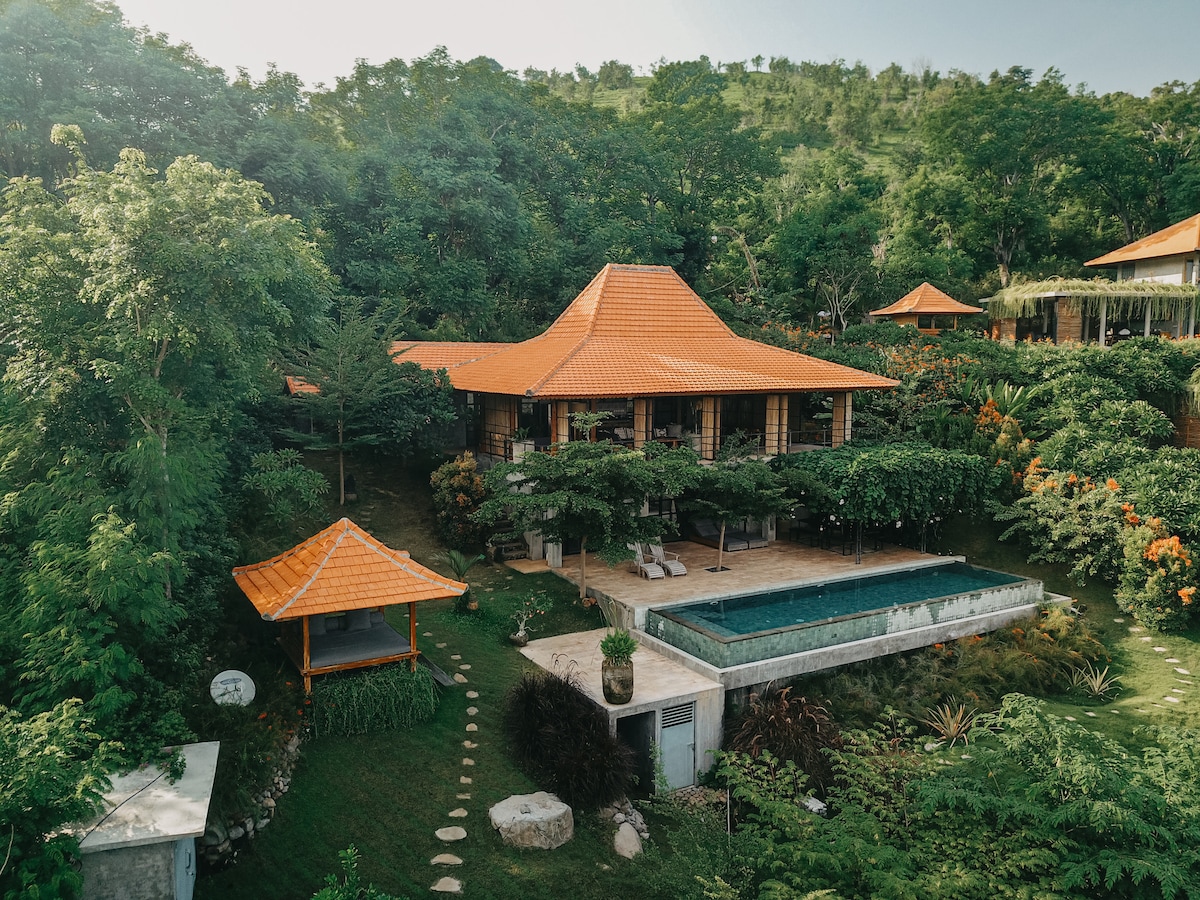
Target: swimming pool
{"points": [[736, 630]]}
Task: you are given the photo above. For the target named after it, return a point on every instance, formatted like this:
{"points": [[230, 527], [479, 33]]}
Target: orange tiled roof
{"points": [[927, 300], [443, 354], [636, 331], [339, 569], [1182, 237], [298, 385]]}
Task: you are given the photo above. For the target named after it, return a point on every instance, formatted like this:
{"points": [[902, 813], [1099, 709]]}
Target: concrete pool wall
{"points": [[742, 661]]}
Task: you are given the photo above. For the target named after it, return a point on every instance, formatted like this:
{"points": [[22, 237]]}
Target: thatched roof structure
{"points": [[1084, 296]]}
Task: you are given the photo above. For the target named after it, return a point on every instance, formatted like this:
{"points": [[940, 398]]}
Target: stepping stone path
{"points": [[446, 884]]}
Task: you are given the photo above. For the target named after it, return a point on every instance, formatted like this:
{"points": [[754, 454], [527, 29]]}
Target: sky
{"points": [[1107, 45]]}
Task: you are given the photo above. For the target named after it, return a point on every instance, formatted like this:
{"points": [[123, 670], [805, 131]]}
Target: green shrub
{"points": [[373, 701], [618, 647], [457, 493], [791, 728], [562, 741]]}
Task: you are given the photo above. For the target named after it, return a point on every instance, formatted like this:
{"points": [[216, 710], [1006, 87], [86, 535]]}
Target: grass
{"points": [[387, 795]]}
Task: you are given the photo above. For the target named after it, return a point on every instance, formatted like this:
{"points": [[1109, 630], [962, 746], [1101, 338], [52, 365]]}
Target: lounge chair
{"points": [[644, 568], [671, 566]]}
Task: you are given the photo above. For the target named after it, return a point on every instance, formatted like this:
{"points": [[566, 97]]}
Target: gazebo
{"points": [[921, 307], [329, 593]]}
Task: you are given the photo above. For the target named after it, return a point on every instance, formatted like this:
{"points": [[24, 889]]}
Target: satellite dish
{"points": [[232, 688]]}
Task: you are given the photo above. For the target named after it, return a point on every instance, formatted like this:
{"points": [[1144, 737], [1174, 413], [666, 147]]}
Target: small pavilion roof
{"points": [[634, 331], [1182, 237], [337, 570], [297, 385], [927, 300]]}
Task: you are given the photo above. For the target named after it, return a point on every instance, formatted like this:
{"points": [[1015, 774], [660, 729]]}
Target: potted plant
{"points": [[616, 672], [532, 607], [460, 563]]}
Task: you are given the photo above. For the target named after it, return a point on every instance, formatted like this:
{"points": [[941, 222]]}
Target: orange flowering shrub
{"points": [[1158, 584]]}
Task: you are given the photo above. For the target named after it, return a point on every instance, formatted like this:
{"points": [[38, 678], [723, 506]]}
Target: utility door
{"points": [[678, 745]]}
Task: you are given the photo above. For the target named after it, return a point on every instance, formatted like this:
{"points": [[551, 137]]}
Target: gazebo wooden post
{"points": [[1102, 337], [412, 636], [307, 658], [1146, 327]]}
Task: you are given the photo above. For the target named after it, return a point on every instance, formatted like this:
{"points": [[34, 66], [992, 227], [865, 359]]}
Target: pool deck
{"points": [[782, 564]]}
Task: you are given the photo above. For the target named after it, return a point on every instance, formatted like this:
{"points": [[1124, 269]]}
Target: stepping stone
{"points": [[1171, 660], [460, 677], [472, 695], [451, 833], [459, 813], [1171, 699], [470, 745], [442, 645], [1115, 712], [447, 885], [1185, 681], [1178, 691], [446, 859], [1119, 621], [467, 761], [1069, 718], [463, 779], [471, 726], [426, 634], [462, 796], [1182, 671], [471, 710], [465, 666], [1134, 629], [1090, 715], [456, 656], [1159, 649]]}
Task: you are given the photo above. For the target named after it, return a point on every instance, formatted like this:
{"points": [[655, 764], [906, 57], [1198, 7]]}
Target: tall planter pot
{"points": [[617, 682]]}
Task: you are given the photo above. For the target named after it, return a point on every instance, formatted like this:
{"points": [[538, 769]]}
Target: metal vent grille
{"points": [[678, 715]]}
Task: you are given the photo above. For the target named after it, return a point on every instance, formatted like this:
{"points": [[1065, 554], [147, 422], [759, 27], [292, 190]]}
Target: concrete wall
{"points": [[1168, 270], [130, 873], [709, 720]]}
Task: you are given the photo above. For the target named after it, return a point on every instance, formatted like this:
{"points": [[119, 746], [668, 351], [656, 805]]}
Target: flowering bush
{"points": [[458, 491], [1158, 584]]}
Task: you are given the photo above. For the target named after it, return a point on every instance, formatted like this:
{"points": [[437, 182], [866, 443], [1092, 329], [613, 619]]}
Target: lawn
{"points": [[388, 795]]}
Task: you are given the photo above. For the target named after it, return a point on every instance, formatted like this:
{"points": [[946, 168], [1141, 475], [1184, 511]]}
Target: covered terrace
{"points": [[329, 593], [639, 344]]}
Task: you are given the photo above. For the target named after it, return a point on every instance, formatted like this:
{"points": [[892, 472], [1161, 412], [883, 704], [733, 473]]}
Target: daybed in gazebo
{"points": [[329, 594]]}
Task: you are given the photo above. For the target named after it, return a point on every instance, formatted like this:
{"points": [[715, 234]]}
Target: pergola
{"points": [[1074, 302], [329, 593]]}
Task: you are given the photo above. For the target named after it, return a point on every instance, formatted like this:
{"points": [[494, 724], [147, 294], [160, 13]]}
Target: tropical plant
{"points": [[460, 564], [790, 728], [350, 886], [377, 700], [951, 722], [563, 741], [618, 647], [1095, 683]]}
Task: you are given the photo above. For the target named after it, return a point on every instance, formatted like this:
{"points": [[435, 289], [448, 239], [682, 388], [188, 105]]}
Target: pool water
{"points": [[740, 616]]}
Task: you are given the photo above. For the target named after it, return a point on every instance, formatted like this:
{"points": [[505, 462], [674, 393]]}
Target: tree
{"points": [[364, 396], [141, 311], [592, 492], [53, 771], [735, 487]]}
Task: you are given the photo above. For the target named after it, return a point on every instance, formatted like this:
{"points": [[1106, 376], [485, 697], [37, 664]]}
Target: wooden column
{"points": [[560, 422], [307, 657], [412, 636], [1102, 337], [641, 421], [843, 411], [710, 427], [1146, 327], [771, 438]]}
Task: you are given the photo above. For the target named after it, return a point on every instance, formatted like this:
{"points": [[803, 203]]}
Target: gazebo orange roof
{"points": [[927, 300], [337, 570], [634, 331], [1182, 237]]}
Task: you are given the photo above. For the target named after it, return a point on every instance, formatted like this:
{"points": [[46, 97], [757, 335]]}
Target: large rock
{"points": [[627, 842], [538, 820]]}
